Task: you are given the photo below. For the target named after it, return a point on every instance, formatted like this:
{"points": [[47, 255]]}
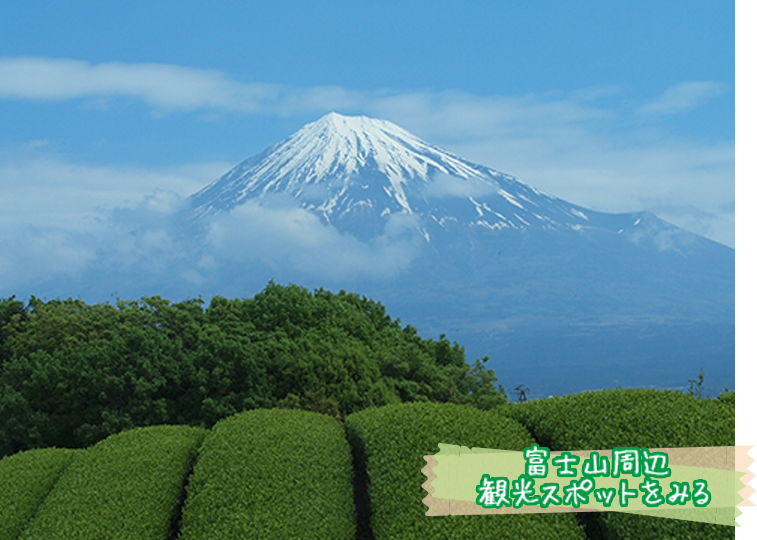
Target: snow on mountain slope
{"points": [[353, 169]]}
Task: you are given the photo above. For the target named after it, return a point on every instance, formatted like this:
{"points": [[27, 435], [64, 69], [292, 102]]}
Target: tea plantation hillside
{"points": [[296, 474]]}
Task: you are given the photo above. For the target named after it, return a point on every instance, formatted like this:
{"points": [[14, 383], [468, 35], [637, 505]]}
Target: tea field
{"points": [[279, 473]]}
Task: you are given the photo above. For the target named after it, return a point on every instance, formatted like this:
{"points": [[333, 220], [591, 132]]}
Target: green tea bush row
{"points": [[272, 474], [127, 486], [603, 419], [390, 443], [288, 473], [648, 418], [25, 481]]}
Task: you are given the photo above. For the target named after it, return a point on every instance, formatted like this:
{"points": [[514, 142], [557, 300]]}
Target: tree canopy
{"points": [[72, 373]]}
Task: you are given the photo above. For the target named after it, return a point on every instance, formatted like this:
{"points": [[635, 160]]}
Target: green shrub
{"points": [[272, 474], [728, 398], [649, 418], [127, 486], [26, 479], [390, 443]]}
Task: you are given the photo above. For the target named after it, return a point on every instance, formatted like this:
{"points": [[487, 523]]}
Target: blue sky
{"points": [[614, 106]]}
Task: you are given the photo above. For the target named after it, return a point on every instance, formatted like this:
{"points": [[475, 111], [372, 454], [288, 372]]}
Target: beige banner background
{"points": [[730, 458]]}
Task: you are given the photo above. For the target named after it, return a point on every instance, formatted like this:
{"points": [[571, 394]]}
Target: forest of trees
{"points": [[72, 373]]}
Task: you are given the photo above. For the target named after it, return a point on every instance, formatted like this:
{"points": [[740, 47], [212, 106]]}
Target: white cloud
{"points": [[61, 220], [463, 116], [33, 254], [287, 236], [684, 97], [162, 86], [45, 190], [443, 186], [141, 239]]}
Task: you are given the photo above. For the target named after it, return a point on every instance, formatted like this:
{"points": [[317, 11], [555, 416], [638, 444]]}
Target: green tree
{"points": [[12, 313], [74, 373], [481, 392], [696, 386]]}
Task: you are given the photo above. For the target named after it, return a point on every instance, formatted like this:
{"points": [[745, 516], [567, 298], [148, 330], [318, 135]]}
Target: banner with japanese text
{"points": [[695, 484]]}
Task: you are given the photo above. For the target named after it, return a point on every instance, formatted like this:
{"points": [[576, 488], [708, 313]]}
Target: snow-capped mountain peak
{"points": [[336, 150], [343, 144], [356, 172]]}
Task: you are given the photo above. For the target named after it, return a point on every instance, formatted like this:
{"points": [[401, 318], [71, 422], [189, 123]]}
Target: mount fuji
{"points": [[552, 292], [357, 172]]}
